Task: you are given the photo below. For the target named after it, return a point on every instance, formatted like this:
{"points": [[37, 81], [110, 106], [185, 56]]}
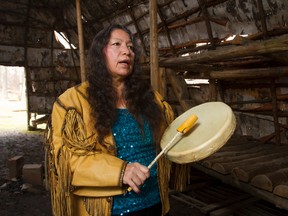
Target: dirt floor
{"points": [[16, 197]]}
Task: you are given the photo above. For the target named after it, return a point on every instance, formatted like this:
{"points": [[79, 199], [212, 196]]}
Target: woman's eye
{"points": [[116, 44], [131, 47]]}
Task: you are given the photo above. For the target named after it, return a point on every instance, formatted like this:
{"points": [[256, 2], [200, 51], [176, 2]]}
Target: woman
{"points": [[105, 132]]}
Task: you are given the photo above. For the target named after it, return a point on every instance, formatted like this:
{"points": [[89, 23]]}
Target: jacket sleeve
{"points": [[72, 157]]}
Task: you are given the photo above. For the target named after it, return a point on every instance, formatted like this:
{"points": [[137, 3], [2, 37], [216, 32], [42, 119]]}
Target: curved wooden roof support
{"points": [[81, 41], [263, 19]]}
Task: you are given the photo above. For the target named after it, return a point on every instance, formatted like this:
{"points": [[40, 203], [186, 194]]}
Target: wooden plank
{"points": [[270, 197], [246, 173], [235, 156], [270, 180], [270, 209], [203, 195], [236, 139], [223, 203], [187, 200], [226, 168], [234, 207], [232, 148]]}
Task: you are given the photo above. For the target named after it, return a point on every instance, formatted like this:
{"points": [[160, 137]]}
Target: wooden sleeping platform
{"points": [[258, 168]]}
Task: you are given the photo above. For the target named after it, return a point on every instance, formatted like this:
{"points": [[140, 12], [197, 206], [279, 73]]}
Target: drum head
{"points": [[215, 125]]}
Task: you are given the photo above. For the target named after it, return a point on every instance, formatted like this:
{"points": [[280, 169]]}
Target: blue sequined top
{"points": [[135, 146]]}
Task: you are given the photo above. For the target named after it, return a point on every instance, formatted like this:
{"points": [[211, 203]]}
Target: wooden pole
{"points": [[154, 45], [81, 41]]}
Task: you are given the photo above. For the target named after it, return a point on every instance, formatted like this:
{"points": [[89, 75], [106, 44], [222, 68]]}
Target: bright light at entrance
{"points": [[13, 103]]}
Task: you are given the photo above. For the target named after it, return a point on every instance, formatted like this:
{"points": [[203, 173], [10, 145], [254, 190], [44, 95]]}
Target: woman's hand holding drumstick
{"points": [[139, 172], [135, 176]]}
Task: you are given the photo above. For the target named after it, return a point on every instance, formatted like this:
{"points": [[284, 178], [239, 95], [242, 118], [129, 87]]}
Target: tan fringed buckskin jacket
{"points": [[84, 175]]}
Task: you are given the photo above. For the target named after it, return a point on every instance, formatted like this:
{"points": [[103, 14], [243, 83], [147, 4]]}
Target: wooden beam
{"points": [[250, 73], [254, 73], [275, 45], [81, 41]]}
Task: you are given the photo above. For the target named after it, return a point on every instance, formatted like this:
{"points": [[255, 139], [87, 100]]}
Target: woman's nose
{"points": [[126, 50]]}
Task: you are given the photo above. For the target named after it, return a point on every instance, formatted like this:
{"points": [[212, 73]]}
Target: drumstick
{"points": [[181, 130]]}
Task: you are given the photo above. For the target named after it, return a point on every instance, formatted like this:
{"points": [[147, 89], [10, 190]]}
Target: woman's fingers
{"points": [[135, 175]]}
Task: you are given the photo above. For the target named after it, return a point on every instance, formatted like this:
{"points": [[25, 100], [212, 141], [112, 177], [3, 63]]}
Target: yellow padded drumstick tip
{"points": [[187, 124]]}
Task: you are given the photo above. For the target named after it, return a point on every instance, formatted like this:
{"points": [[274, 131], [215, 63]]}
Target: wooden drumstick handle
{"points": [[182, 129]]}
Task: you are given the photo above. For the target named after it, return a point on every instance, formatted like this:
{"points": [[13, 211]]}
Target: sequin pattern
{"points": [[135, 146]]}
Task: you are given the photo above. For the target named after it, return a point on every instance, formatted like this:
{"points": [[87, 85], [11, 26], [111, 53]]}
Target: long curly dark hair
{"points": [[103, 97]]}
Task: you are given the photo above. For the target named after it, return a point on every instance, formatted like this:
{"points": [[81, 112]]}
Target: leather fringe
{"points": [[164, 165], [92, 206], [75, 141], [60, 182]]}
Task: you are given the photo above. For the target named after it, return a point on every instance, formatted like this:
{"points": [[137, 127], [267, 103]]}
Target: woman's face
{"points": [[119, 54]]}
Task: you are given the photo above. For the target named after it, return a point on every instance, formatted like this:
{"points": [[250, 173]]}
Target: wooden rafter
{"points": [[203, 6], [263, 19], [198, 19]]}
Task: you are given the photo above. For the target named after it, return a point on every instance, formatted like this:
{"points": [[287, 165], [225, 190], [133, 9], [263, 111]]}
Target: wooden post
{"points": [[81, 41], [154, 45]]}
